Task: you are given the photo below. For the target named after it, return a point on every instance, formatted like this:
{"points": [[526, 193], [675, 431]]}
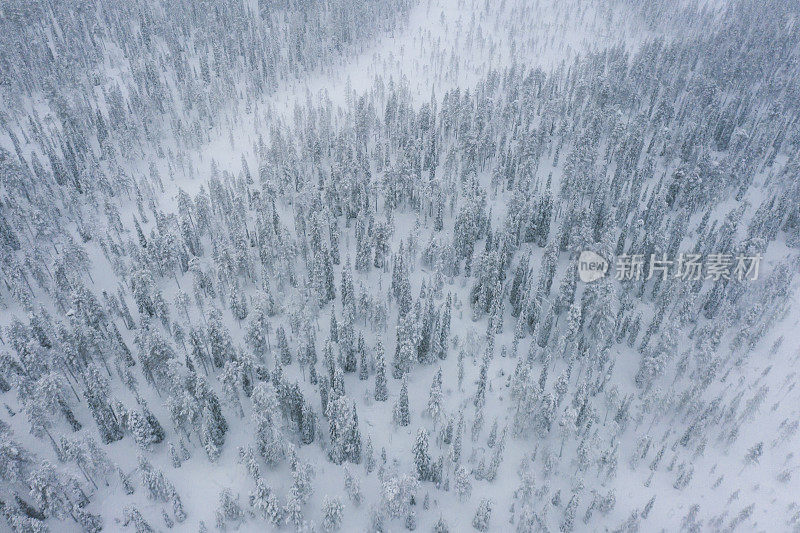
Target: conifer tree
{"points": [[402, 416], [332, 512], [422, 459], [434, 408], [381, 393], [462, 484], [283, 347], [482, 515]]}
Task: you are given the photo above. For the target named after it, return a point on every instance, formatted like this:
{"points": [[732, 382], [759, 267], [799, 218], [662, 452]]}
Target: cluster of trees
{"points": [[216, 305]]}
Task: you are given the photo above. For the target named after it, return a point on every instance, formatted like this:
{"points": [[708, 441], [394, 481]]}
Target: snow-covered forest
{"points": [[320, 265]]}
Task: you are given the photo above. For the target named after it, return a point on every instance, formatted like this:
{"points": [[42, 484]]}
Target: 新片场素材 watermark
{"points": [[688, 266]]}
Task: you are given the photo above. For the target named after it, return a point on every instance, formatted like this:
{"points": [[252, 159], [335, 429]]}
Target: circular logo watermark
{"points": [[591, 266]]}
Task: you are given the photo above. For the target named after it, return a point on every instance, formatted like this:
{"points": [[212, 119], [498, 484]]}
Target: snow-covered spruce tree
{"points": [[159, 488], [381, 394], [269, 440], [462, 484], [482, 515], [352, 486], [434, 408], [422, 459], [283, 347], [401, 414], [363, 365], [96, 395], [397, 494], [133, 516], [229, 508], [568, 522], [332, 512], [293, 511], [265, 503], [258, 329], [177, 508]]}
